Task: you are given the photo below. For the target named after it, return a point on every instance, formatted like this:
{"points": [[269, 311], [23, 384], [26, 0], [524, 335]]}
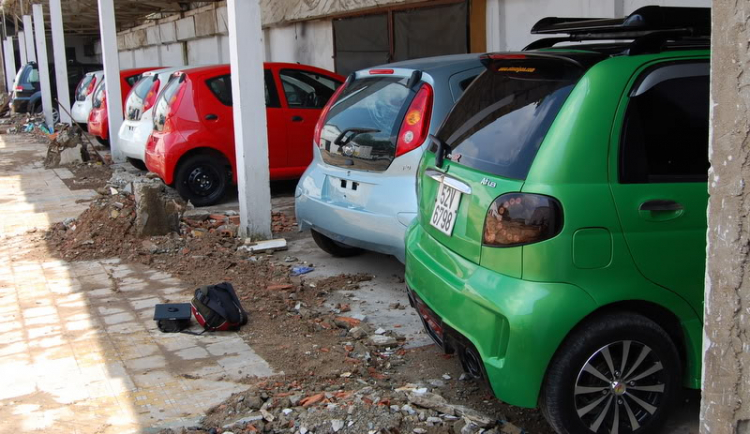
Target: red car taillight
{"points": [[324, 113], [416, 123], [150, 99], [517, 219], [19, 88]]}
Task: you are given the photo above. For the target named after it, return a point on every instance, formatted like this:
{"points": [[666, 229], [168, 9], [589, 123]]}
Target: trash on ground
{"points": [[265, 246], [297, 271]]}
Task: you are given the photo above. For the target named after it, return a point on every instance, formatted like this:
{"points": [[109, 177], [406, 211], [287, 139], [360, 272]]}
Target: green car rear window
{"points": [[502, 118]]}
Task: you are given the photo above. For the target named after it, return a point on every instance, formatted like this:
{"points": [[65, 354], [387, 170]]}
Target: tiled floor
{"points": [[79, 350], [29, 195]]}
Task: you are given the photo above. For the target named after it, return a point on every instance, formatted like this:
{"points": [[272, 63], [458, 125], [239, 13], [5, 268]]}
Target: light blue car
{"points": [[359, 191]]}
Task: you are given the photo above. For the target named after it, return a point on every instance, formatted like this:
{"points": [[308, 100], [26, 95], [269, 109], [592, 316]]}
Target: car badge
{"points": [[488, 183], [348, 150]]}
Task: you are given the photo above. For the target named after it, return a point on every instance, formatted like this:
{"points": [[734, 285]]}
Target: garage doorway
{"points": [[400, 34]]}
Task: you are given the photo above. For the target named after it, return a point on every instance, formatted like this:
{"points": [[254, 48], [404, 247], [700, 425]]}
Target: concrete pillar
{"points": [[108, 31], [10, 63], [495, 25], [43, 64], [28, 30], [725, 407], [22, 48], [61, 61], [250, 130]]}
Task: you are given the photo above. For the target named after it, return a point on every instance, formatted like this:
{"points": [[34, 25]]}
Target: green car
{"points": [[560, 244]]}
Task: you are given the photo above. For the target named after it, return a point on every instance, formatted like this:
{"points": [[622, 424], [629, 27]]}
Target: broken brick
{"points": [[310, 400], [346, 322]]}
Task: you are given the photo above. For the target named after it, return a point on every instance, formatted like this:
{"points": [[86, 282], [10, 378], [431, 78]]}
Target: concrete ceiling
{"points": [[81, 17]]}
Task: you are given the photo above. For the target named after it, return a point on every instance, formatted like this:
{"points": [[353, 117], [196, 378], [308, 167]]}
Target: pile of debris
{"points": [[283, 223], [286, 407], [66, 147], [22, 123], [342, 374], [4, 103]]}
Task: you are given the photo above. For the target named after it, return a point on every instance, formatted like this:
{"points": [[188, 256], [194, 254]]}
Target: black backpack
{"points": [[217, 308]]}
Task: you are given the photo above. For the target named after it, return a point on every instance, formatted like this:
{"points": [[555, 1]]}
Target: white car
{"points": [[84, 97], [139, 121]]}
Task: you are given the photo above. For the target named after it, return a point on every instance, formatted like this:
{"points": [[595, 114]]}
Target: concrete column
{"points": [[22, 48], [43, 65], [61, 62], [725, 407], [108, 31], [495, 25], [28, 30], [10, 63], [250, 129]]}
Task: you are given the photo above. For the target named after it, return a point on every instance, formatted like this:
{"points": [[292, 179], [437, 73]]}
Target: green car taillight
{"points": [[516, 219]]}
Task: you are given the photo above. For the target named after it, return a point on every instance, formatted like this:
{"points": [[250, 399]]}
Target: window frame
{"points": [[304, 71], [210, 80], [270, 84], [649, 76]]}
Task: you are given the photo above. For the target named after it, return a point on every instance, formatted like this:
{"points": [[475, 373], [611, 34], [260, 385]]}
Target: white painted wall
{"points": [[205, 51], [149, 56], [127, 59], [509, 21], [631, 5], [309, 42], [172, 54]]}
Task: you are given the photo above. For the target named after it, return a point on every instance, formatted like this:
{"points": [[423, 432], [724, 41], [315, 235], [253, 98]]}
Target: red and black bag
{"points": [[217, 308]]}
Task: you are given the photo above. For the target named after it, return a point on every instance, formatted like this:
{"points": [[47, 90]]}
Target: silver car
{"points": [[359, 191]]}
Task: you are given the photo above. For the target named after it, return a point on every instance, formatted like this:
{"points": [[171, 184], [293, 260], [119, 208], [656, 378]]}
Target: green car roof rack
{"points": [[649, 27]]}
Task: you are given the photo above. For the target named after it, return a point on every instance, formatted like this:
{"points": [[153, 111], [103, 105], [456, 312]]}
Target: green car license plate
{"points": [[446, 207]]}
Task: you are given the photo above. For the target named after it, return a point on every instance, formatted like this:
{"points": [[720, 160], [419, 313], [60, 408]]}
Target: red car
{"points": [[98, 121], [192, 146]]}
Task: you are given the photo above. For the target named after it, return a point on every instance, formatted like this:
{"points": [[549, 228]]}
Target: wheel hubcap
{"points": [[619, 388], [203, 180]]}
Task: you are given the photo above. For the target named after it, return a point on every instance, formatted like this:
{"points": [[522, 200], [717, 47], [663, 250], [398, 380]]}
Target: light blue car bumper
{"points": [[370, 210]]}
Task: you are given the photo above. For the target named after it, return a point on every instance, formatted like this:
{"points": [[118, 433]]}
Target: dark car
{"points": [[27, 90]]}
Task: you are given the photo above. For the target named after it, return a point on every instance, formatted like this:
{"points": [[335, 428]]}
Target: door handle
{"points": [[297, 119], [661, 205], [212, 117]]}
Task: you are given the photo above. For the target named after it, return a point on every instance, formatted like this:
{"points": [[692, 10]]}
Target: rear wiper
{"points": [[441, 152], [345, 136]]}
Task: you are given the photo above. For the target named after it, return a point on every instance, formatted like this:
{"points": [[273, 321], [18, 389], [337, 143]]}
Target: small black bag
{"points": [[173, 317], [217, 308]]}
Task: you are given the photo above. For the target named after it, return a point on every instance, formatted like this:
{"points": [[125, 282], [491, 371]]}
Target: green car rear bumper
{"points": [[515, 325]]}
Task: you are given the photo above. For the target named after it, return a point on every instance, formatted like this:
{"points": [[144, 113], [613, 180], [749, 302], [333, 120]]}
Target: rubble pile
{"points": [[198, 222], [340, 372], [24, 123], [283, 223], [289, 408], [91, 175], [66, 146], [4, 103]]}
